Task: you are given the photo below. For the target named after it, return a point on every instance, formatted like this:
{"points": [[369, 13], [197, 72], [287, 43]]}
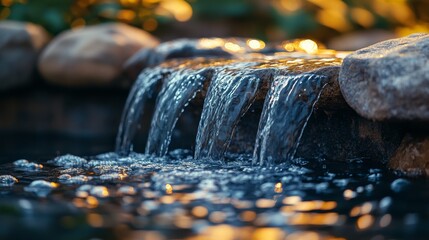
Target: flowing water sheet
{"points": [[287, 108]]}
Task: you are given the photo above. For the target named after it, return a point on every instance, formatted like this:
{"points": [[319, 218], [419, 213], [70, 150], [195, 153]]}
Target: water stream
{"points": [[232, 91], [179, 88], [287, 108], [142, 89]]}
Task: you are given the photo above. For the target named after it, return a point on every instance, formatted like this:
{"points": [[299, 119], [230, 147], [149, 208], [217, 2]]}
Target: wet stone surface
{"points": [[389, 80], [178, 197]]}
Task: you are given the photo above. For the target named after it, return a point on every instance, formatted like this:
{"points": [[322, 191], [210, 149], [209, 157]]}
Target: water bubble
{"points": [[69, 161], [107, 156], [399, 185], [112, 176], [41, 187], [25, 165], [99, 191], [7, 180], [80, 179]]}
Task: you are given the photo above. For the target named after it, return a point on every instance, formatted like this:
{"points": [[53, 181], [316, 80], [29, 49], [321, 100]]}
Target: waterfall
{"points": [[232, 91], [178, 89], [142, 89], [287, 108]]}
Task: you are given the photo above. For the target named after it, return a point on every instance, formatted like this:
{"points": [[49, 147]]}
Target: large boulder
{"points": [[389, 80], [92, 56], [20, 44]]}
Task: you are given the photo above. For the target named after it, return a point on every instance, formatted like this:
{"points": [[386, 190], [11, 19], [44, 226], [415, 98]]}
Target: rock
{"points": [[389, 80], [92, 56], [185, 48], [20, 44], [412, 156]]}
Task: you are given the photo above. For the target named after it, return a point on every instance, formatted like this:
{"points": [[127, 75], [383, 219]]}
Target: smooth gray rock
{"points": [[389, 80], [92, 56], [20, 44]]}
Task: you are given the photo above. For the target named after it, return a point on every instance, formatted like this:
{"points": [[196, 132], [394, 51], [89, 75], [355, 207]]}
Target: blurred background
{"points": [[271, 20]]}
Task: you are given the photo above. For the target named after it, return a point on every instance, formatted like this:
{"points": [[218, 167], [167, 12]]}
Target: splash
{"points": [[287, 108]]}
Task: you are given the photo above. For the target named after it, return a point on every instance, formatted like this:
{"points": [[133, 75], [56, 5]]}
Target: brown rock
{"points": [[92, 56], [412, 156], [20, 44]]}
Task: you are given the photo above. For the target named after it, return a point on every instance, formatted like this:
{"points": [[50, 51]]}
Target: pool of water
{"points": [[178, 197]]}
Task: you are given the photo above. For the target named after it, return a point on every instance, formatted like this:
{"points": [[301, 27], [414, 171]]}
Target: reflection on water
{"points": [[177, 197]]}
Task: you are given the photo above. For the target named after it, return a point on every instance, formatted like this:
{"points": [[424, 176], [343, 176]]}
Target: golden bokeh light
{"points": [[309, 46], [168, 188], [230, 46], [268, 233], [256, 45], [199, 211], [95, 220], [181, 10], [363, 17], [364, 222], [278, 188]]}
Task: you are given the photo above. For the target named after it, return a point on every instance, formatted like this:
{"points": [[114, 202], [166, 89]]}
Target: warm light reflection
{"points": [[217, 217], [92, 202], [199, 211], [210, 43], [314, 219], [248, 216], [278, 188], [230, 46], [265, 203], [256, 45], [364, 221], [292, 200], [223, 231], [95, 220], [268, 233], [168, 188], [349, 194]]}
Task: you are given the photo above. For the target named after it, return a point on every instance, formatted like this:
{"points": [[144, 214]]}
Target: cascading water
{"points": [[234, 85], [287, 108], [131, 115], [177, 91], [232, 91]]}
